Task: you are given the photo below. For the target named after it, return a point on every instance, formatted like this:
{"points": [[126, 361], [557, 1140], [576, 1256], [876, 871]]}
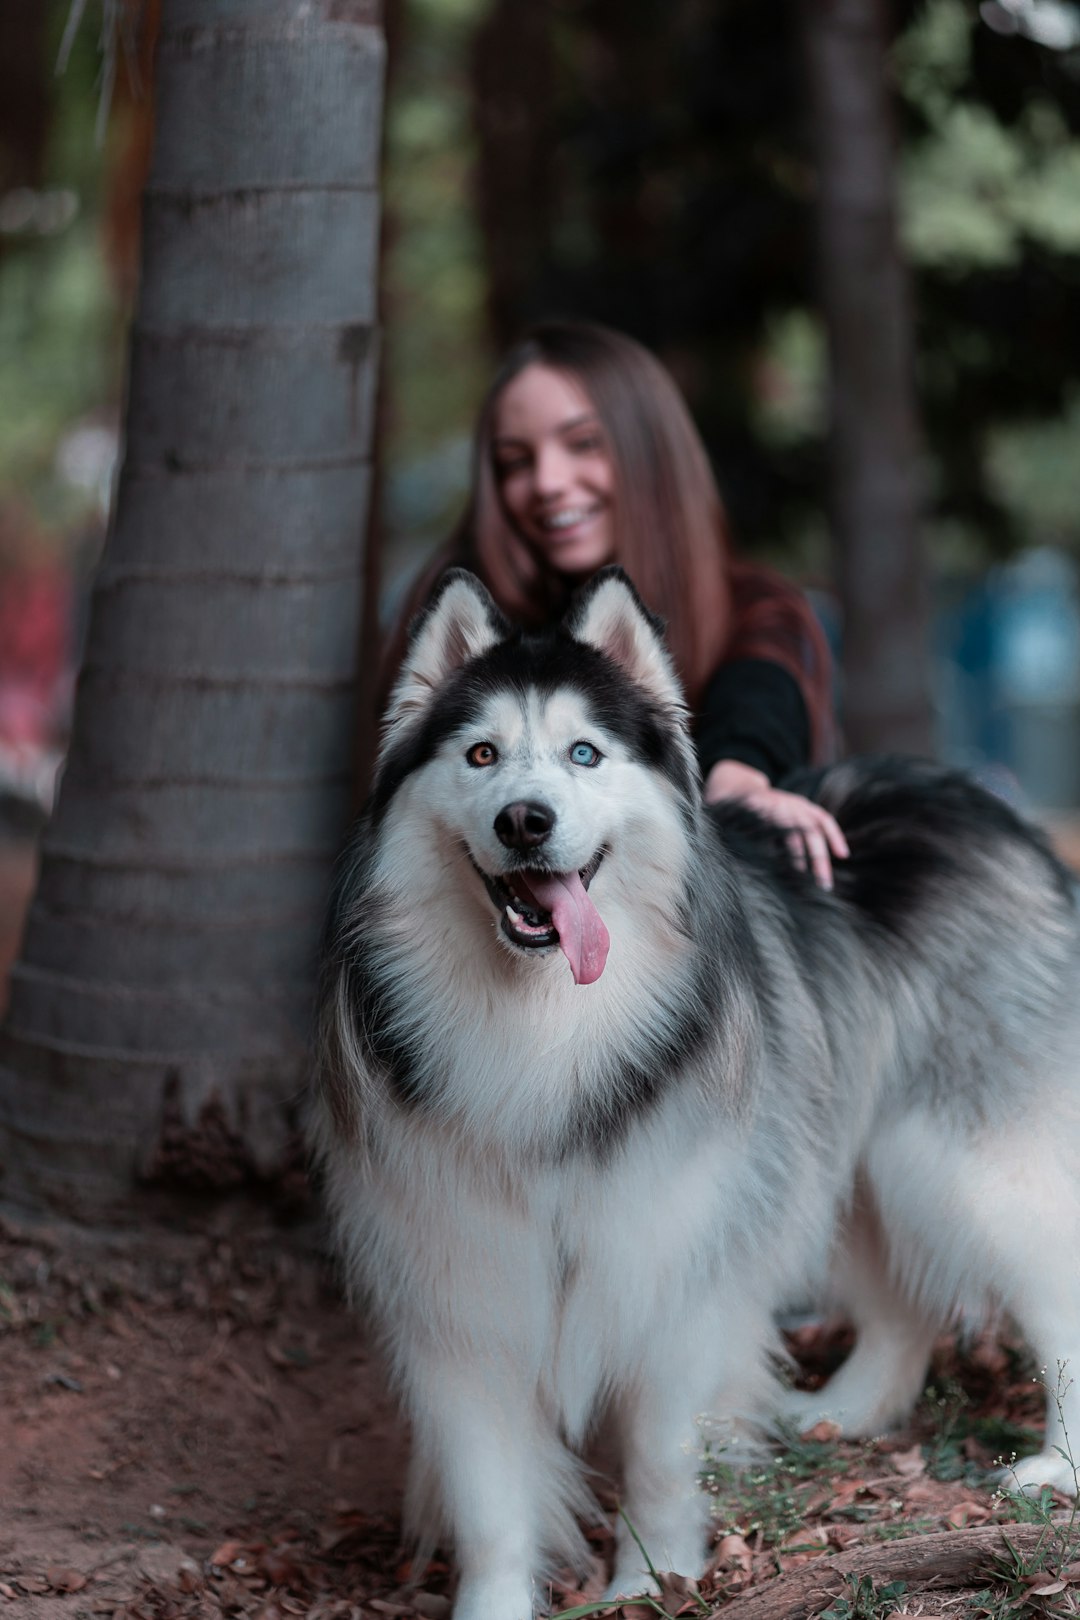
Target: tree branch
{"points": [[949, 1559]]}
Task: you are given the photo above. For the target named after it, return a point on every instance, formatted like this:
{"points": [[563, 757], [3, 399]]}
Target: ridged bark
{"points": [[877, 495], [158, 1017]]}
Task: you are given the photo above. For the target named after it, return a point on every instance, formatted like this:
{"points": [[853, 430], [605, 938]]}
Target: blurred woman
{"points": [[585, 454]]}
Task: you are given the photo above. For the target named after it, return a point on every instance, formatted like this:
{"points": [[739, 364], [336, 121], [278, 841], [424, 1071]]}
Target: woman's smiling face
{"points": [[554, 471]]}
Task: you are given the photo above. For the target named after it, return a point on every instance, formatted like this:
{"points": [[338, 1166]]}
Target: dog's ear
{"points": [[459, 622], [608, 614]]}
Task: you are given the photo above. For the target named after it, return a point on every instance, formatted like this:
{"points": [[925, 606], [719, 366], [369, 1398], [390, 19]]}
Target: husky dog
{"points": [[605, 1081]]}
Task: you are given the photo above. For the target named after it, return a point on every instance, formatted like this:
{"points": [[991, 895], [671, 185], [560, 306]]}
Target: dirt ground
{"points": [[163, 1397], [192, 1427], [157, 1402]]}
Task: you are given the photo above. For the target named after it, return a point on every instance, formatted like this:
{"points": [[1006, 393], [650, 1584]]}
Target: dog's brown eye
{"points": [[481, 754]]}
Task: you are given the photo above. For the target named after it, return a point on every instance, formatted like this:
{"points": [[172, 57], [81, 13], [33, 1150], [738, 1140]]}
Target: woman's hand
{"points": [[813, 837]]}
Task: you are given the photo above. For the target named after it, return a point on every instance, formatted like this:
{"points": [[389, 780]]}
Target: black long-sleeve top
{"points": [[753, 711]]}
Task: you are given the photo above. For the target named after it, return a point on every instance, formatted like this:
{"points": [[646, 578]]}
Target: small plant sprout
{"points": [[865, 1601], [667, 1586], [1059, 1541]]}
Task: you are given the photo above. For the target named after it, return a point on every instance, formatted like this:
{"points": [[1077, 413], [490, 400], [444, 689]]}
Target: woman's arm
{"points": [[753, 730], [753, 710], [813, 837]]}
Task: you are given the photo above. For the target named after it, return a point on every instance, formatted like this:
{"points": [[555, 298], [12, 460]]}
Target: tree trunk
{"points": [[24, 94], [876, 496], [158, 1018], [938, 1562], [512, 88]]}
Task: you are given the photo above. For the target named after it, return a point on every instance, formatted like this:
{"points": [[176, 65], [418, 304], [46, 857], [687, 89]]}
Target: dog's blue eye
{"points": [[583, 753], [482, 754]]}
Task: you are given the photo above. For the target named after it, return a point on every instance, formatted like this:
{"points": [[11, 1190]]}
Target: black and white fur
{"points": [[563, 1199]]}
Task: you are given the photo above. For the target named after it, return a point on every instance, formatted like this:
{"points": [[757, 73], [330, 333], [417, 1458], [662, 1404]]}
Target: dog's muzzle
{"points": [[541, 909]]}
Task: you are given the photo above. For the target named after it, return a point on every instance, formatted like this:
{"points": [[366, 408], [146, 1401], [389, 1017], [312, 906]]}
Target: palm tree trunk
{"points": [[158, 1016], [876, 495]]}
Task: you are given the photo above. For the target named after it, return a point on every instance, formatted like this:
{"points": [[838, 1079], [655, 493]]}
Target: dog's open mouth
{"points": [[540, 909]]}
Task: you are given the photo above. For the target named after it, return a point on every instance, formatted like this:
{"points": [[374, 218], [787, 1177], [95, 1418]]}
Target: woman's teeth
{"points": [[568, 518]]}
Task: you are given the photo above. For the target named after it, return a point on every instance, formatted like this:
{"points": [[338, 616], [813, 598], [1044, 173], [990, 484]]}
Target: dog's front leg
{"points": [[702, 1371], [663, 1516], [665, 1513], [474, 1451]]}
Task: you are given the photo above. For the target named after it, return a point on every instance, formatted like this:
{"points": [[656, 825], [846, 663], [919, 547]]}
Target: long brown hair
{"points": [[671, 532]]}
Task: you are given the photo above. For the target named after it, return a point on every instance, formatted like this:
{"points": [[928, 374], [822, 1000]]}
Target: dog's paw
{"points": [[801, 1409], [631, 1583], [1030, 1474], [493, 1599], [856, 1411]]}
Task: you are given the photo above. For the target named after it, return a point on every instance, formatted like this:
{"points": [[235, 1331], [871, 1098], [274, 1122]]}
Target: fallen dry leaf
{"points": [[678, 1593], [967, 1513], [66, 1580], [431, 1604], [280, 1358], [733, 1552], [237, 1555], [988, 1355], [813, 1540], [909, 1464], [825, 1431], [837, 1496]]}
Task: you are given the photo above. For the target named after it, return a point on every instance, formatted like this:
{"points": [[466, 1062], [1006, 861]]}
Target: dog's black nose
{"points": [[524, 824]]}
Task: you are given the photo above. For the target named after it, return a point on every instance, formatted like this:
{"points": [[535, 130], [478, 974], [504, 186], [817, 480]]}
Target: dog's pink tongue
{"points": [[583, 938]]}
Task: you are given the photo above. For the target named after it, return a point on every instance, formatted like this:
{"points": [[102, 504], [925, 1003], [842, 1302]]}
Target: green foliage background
{"points": [[61, 333], [683, 186]]}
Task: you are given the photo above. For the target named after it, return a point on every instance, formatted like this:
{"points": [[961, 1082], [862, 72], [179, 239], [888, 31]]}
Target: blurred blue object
{"points": [[1009, 678]]}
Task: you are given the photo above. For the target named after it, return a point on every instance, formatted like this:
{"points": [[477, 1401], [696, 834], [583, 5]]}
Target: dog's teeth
{"points": [[515, 917]]}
